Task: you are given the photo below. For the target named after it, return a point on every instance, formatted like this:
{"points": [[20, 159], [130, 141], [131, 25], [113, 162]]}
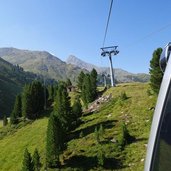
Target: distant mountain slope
{"points": [[120, 75], [12, 79], [40, 62], [44, 63]]}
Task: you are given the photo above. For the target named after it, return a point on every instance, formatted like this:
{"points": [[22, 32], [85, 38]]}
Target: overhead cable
{"points": [[110, 10]]}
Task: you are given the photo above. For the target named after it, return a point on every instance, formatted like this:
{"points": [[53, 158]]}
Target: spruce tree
{"points": [[96, 132], [27, 102], [125, 138], [62, 107], [54, 141], [156, 74], [18, 106], [37, 96], [80, 80], [36, 160], [76, 109], [101, 130], [51, 92], [33, 100], [89, 88], [87, 93], [83, 93], [27, 162], [93, 77], [13, 118], [17, 110]]}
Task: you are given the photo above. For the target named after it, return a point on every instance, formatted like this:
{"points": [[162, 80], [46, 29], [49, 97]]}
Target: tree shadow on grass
{"points": [[100, 93], [112, 163], [90, 129], [88, 113], [140, 139], [81, 162], [86, 163]]}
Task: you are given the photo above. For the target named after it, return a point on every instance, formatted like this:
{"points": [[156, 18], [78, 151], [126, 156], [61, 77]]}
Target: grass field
{"points": [[82, 148], [12, 147], [135, 112]]}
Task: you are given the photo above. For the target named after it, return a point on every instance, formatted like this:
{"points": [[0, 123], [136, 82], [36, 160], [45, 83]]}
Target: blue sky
{"points": [[77, 27]]}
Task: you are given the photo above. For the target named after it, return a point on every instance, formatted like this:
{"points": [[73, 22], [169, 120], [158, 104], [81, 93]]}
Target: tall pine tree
{"points": [[62, 107], [51, 92], [80, 80], [86, 93], [93, 78], [54, 141], [37, 95], [27, 102], [32, 100], [36, 160], [156, 74], [27, 162], [76, 109], [17, 110]]}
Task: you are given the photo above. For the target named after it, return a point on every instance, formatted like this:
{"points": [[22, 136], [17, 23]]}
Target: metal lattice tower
{"points": [[109, 51]]}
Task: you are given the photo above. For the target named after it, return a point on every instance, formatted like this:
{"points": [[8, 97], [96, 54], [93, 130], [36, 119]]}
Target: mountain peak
{"points": [[80, 63]]}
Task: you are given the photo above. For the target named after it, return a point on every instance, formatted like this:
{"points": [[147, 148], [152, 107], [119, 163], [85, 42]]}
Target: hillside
{"points": [[121, 75], [40, 62], [82, 147], [12, 79]]}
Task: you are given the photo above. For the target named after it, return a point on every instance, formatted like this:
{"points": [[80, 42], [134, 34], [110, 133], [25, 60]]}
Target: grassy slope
{"points": [[82, 152], [12, 147], [134, 111]]}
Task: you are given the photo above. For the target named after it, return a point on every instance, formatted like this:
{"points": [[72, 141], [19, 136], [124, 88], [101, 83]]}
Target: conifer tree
{"points": [[13, 118], [54, 141], [62, 107], [83, 93], [96, 132], [125, 137], [36, 160], [37, 96], [27, 162], [51, 92], [101, 130], [80, 80], [76, 109], [89, 88], [27, 102], [18, 106], [93, 78], [17, 110], [86, 93], [156, 74], [32, 100]]}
